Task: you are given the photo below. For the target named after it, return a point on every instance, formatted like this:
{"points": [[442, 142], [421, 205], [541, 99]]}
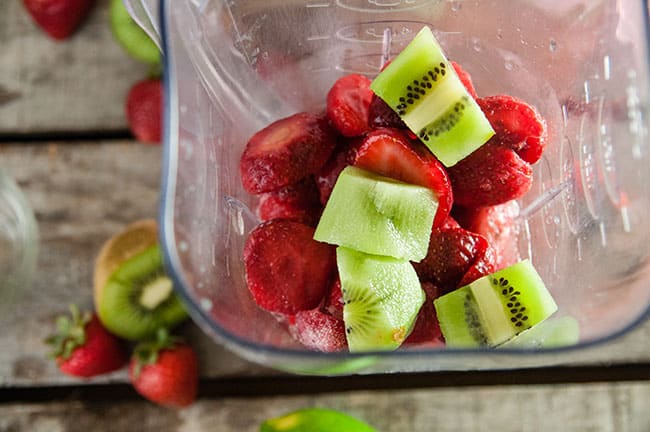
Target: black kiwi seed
{"points": [[444, 123], [514, 305]]}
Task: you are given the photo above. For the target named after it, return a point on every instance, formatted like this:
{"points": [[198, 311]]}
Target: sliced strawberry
{"points": [[489, 176], [333, 304], [286, 269], [465, 78], [497, 224], [299, 201], [285, 152], [426, 330], [347, 105], [319, 331], [517, 125], [382, 115], [343, 155], [390, 153], [451, 254]]}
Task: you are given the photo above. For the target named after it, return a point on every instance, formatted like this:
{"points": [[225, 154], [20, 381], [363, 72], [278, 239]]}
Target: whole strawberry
{"points": [[83, 347], [165, 371], [144, 110], [58, 18]]}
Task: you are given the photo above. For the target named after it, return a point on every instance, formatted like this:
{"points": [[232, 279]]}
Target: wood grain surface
{"points": [[78, 85], [615, 407]]}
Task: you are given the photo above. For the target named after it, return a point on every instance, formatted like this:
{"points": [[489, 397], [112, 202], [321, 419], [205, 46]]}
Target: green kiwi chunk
{"points": [[130, 36], [138, 298], [381, 299], [422, 87], [552, 333], [494, 308], [315, 420], [378, 215]]}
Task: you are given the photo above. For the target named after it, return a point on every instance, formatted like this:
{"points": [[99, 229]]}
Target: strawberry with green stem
{"points": [[83, 347], [165, 371]]}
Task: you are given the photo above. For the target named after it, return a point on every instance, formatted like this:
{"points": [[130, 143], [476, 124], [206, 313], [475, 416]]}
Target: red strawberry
{"points": [[389, 153], [319, 331], [426, 330], [382, 115], [285, 152], [165, 371], [489, 176], [84, 348], [483, 265], [58, 18], [517, 125], [333, 304], [343, 156], [465, 78], [299, 201], [144, 110], [451, 254], [286, 269], [497, 224], [347, 105]]}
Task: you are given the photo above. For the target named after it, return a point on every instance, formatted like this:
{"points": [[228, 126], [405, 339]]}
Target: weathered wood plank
{"points": [[82, 194], [617, 407], [76, 85]]}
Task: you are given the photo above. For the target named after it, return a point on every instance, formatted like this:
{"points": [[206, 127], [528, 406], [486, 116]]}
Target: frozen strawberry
{"points": [[451, 254], [489, 176], [285, 152], [426, 330], [465, 78], [343, 155], [347, 105], [319, 331], [333, 304], [286, 269], [498, 225], [299, 201], [517, 125], [382, 115], [390, 153], [483, 265]]}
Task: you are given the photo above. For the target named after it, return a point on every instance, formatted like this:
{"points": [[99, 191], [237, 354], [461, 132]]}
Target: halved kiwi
{"points": [[133, 295]]}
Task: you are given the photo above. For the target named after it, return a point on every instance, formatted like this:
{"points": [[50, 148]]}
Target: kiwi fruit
{"points": [[133, 295], [381, 299], [494, 308], [378, 215], [135, 41], [315, 420], [552, 333], [422, 87]]}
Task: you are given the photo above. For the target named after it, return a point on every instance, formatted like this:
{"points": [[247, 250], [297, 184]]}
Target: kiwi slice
{"points": [[422, 87], [378, 215], [315, 420], [131, 37], [552, 333], [133, 296], [494, 308], [381, 299]]}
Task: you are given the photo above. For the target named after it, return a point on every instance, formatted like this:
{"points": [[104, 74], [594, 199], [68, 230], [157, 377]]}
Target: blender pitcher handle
{"points": [[146, 13]]}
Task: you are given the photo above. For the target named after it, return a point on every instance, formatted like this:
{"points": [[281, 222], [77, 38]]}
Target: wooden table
{"points": [[63, 137]]}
